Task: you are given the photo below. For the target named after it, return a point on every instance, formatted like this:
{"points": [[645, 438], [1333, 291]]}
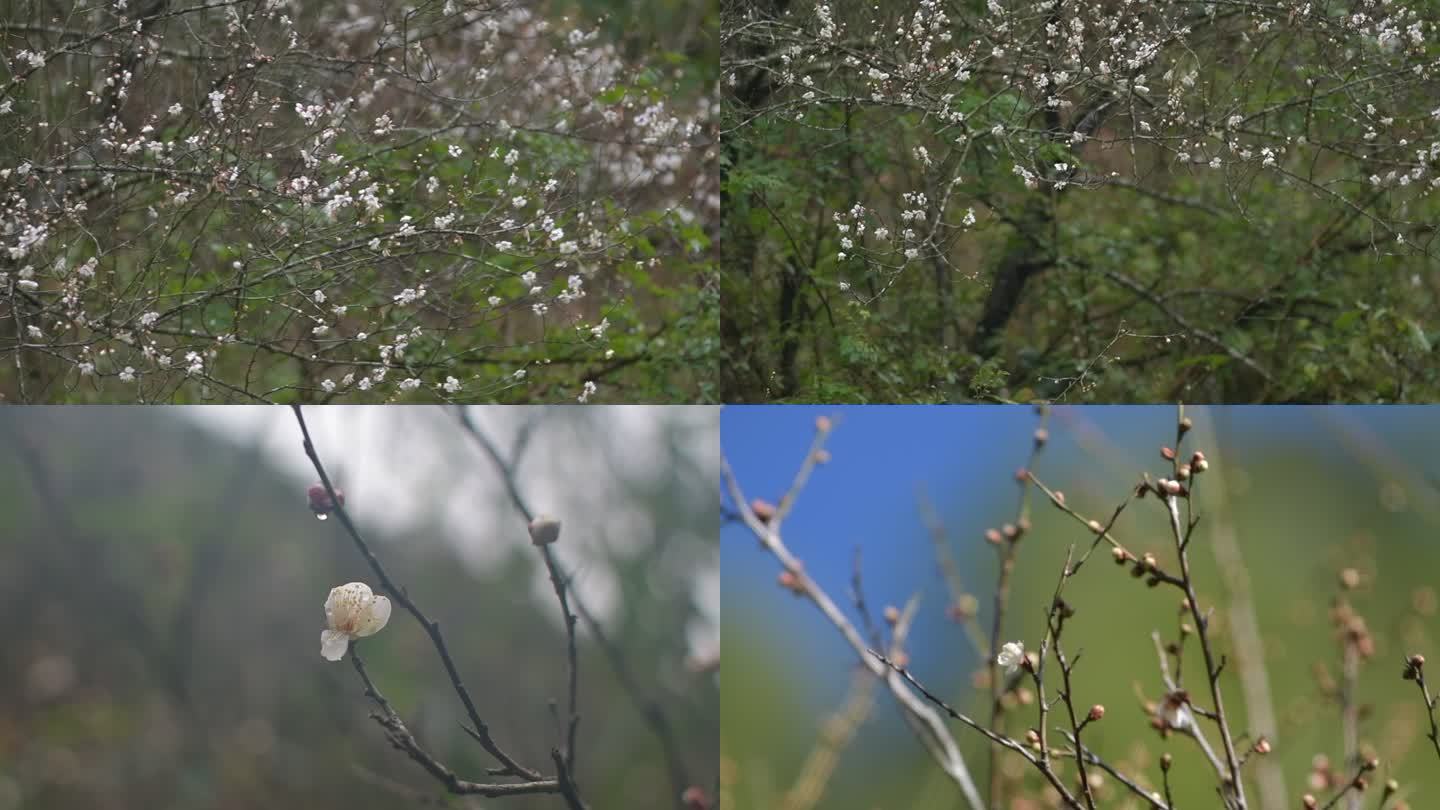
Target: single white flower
{"points": [[1012, 655], [1174, 712], [351, 611]]}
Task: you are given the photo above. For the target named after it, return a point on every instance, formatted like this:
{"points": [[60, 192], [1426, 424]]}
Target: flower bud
{"points": [[1309, 802], [1096, 712], [1096, 526], [694, 798], [1167, 454], [1350, 579], [822, 456], [763, 509], [544, 530], [1413, 666], [1041, 436], [1166, 761], [823, 424], [790, 582], [1185, 425], [892, 614], [320, 502], [1262, 746]]}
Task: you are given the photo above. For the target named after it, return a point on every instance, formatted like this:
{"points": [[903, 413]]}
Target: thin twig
{"points": [[558, 582], [1008, 548], [400, 737], [999, 739], [1235, 787], [1415, 670], [481, 731], [924, 721]]}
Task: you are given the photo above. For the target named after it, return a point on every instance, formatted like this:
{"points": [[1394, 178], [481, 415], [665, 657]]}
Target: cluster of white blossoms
{"points": [[332, 200], [1131, 75]]}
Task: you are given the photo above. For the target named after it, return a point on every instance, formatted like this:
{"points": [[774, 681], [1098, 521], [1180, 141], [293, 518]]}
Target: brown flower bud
{"points": [[544, 530], [1309, 802], [1262, 746], [1167, 454], [763, 509], [1096, 712], [993, 537], [1185, 425], [1121, 555], [1166, 761], [1022, 475]]}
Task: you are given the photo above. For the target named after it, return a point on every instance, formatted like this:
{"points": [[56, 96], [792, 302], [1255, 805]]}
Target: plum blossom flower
{"points": [[1175, 712], [1012, 655], [351, 611]]}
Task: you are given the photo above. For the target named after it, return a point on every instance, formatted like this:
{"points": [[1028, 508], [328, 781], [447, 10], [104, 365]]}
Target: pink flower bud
{"points": [[320, 502]]}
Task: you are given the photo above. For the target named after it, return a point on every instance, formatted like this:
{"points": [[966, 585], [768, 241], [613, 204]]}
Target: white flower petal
{"points": [[375, 618], [333, 644], [346, 604], [1012, 654]]}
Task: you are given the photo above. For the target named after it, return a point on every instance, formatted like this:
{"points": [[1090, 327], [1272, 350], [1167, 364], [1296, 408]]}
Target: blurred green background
{"points": [[1306, 492], [163, 581]]}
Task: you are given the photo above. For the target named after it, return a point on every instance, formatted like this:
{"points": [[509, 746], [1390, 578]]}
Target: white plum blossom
{"points": [[351, 611], [586, 392], [1012, 655], [410, 384], [452, 385]]}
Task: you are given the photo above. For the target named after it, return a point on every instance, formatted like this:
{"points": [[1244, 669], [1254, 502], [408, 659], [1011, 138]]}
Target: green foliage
{"points": [[1147, 276]]}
